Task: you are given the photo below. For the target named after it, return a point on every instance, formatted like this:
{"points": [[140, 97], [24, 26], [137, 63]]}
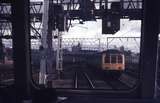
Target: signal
{"points": [[57, 17], [111, 19], [87, 12]]}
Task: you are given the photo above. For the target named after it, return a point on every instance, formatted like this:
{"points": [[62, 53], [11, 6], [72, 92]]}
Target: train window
{"points": [[113, 59], [107, 59], [6, 59], [71, 59], [119, 59]]}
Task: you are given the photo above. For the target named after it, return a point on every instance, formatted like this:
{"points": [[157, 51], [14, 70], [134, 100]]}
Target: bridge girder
{"points": [[131, 9]]}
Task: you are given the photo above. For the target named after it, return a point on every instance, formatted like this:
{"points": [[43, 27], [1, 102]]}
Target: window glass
{"points": [[107, 59], [73, 58], [113, 58], [6, 59], [119, 58]]}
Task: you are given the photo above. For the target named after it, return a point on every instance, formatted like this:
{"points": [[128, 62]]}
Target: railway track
{"points": [[133, 73], [130, 77], [94, 79], [86, 78], [83, 80], [112, 82], [90, 80]]}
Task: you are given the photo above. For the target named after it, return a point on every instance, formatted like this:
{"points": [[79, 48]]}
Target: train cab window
{"points": [[69, 59], [6, 64], [119, 59], [113, 58], [107, 59], [6, 48], [6, 60]]}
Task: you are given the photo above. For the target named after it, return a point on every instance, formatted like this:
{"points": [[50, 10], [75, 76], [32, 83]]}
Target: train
{"points": [[109, 61]]}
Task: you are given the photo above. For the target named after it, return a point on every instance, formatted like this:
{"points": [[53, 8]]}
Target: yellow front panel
{"points": [[118, 66]]}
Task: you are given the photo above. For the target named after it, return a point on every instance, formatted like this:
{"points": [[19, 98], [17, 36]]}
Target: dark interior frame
{"points": [[148, 55]]}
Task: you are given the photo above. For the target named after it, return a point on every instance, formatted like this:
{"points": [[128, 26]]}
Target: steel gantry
{"points": [[73, 9]]}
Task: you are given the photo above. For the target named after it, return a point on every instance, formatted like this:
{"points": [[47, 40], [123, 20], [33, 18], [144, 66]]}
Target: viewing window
{"points": [[113, 59], [107, 59], [119, 59], [72, 59], [6, 48]]}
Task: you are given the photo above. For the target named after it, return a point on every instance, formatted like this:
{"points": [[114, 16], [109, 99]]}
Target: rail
{"points": [[89, 80]]}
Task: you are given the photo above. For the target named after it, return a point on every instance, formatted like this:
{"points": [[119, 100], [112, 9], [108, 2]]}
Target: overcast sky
{"points": [[93, 29]]}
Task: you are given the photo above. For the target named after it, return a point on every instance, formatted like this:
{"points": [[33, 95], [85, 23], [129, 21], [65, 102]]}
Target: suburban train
{"points": [[111, 61]]}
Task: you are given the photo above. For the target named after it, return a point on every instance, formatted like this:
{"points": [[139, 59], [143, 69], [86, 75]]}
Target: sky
{"points": [[93, 29]]}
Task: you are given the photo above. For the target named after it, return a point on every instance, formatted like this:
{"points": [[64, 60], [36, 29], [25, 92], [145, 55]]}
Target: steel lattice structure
{"points": [[131, 9]]}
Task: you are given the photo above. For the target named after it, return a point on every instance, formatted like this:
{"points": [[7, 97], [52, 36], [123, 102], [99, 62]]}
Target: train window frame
{"points": [[99, 91], [7, 75], [94, 93], [103, 94]]}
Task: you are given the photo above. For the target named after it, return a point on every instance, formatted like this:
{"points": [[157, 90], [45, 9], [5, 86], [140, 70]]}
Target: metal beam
{"points": [[149, 41], [5, 1], [36, 10], [46, 66], [73, 12], [21, 49]]}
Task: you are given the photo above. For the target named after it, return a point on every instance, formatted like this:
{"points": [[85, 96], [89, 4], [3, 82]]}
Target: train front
{"points": [[113, 61]]}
